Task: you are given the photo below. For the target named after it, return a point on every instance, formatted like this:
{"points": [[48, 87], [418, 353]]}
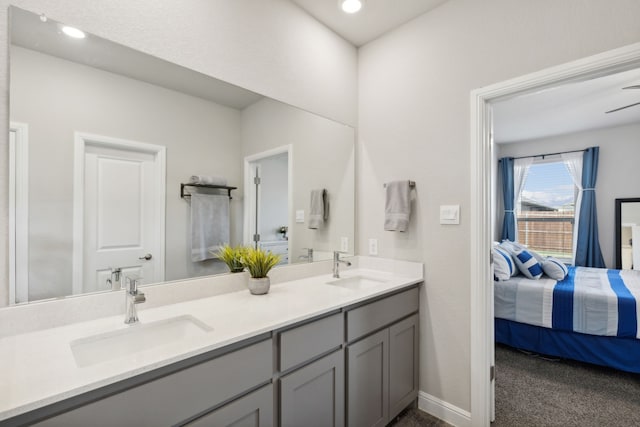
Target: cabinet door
{"points": [[314, 395], [252, 410], [403, 364], [368, 381]]}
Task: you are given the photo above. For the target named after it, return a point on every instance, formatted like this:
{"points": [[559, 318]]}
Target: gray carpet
{"points": [[416, 418], [533, 391]]}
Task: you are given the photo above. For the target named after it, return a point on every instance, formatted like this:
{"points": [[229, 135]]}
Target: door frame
{"points": [[482, 326], [19, 213], [81, 141], [249, 187]]}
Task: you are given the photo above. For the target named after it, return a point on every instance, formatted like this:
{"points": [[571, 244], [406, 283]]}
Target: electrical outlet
{"points": [[344, 244], [373, 246]]}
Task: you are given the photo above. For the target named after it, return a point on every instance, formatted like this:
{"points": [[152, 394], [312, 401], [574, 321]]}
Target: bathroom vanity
{"points": [[314, 351]]}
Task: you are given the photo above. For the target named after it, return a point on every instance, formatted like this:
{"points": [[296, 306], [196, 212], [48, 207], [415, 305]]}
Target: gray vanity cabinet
{"points": [[252, 410], [313, 396], [382, 367], [312, 363], [356, 366]]}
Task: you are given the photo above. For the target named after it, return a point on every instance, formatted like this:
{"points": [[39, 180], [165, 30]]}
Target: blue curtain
{"points": [[588, 253], [509, 223]]}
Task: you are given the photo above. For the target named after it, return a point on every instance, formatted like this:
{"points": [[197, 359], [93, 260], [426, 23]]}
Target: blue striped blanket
{"points": [[593, 301]]}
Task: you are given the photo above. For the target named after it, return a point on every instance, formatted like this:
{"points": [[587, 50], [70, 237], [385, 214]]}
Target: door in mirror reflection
{"points": [[269, 202], [121, 227]]}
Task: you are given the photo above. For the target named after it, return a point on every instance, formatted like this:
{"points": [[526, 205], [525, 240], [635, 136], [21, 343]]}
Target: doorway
{"points": [[18, 213], [268, 201], [482, 352], [119, 222]]}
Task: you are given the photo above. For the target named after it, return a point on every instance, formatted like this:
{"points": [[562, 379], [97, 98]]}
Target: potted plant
{"points": [[259, 262], [232, 256]]}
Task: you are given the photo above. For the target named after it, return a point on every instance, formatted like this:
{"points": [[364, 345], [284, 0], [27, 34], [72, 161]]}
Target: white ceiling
{"points": [[573, 107], [28, 31], [374, 19]]}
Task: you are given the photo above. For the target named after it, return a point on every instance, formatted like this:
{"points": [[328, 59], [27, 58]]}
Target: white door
{"points": [[122, 224], [18, 213]]}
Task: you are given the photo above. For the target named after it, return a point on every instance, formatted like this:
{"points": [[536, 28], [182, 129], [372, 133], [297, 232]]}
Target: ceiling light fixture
{"points": [[73, 32], [351, 6]]}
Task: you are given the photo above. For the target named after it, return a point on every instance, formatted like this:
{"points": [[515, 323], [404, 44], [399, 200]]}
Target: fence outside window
{"points": [[549, 233]]}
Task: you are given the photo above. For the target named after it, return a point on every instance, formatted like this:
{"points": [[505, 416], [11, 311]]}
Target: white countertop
{"points": [[38, 368]]}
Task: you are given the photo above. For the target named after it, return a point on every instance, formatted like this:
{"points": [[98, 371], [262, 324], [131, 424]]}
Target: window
{"points": [[545, 212]]}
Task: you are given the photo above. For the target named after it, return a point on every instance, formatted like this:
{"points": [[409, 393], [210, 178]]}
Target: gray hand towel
{"points": [[319, 209], [209, 225], [397, 207]]}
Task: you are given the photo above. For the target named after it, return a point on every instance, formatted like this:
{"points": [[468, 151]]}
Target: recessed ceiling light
{"points": [[73, 32], [351, 6]]}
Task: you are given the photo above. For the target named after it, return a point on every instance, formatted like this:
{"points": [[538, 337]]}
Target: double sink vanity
{"points": [[315, 350]]}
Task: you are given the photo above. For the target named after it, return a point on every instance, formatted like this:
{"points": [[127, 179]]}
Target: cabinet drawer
{"points": [[179, 396], [368, 318], [253, 410], [308, 341]]}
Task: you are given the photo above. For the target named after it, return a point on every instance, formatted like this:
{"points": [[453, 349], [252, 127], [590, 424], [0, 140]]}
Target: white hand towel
{"points": [[208, 180], [209, 225], [319, 209], [397, 208]]}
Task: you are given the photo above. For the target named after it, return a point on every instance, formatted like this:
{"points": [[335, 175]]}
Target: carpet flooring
{"points": [[535, 391], [414, 417]]}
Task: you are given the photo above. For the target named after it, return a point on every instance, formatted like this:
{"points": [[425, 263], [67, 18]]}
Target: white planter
{"points": [[259, 286]]}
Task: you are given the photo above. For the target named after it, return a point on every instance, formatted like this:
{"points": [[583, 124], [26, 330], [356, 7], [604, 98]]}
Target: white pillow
{"points": [[503, 265], [555, 268], [528, 264]]}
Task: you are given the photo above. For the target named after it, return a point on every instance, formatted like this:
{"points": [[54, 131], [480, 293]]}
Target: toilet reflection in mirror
{"points": [[627, 213], [72, 101]]}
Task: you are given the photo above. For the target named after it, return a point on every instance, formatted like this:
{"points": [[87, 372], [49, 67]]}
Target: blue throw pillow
{"points": [[503, 265], [555, 268], [528, 264]]}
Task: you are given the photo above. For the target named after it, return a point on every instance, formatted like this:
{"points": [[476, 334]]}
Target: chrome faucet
{"points": [[133, 297], [336, 263], [308, 256]]}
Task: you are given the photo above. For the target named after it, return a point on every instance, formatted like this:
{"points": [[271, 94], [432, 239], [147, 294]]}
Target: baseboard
{"points": [[443, 410]]}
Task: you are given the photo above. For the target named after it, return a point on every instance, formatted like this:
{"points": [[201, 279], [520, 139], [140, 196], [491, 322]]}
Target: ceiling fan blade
{"points": [[632, 87], [622, 108]]}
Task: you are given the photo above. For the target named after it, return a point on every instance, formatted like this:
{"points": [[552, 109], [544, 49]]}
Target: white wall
{"points": [[618, 171], [323, 153], [56, 98], [268, 46], [414, 115]]}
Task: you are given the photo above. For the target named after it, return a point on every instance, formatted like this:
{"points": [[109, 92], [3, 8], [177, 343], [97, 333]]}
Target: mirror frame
{"points": [[618, 214]]}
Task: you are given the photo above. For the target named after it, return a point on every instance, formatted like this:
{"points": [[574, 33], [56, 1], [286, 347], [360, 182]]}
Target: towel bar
{"points": [[223, 187], [412, 184]]}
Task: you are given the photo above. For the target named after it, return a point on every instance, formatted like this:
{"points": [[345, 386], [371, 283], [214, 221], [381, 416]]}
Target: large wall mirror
{"points": [[101, 139], [628, 234]]}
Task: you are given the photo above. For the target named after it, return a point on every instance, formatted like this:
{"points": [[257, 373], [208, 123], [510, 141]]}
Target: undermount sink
{"points": [[356, 282], [136, 338]]}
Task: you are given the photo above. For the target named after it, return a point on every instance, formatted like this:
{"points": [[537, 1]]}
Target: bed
{"points": [[590, 316]]}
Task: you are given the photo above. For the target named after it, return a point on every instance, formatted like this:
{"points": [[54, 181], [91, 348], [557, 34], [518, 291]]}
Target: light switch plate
{"points": [[300, 215], [450, 214]]}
